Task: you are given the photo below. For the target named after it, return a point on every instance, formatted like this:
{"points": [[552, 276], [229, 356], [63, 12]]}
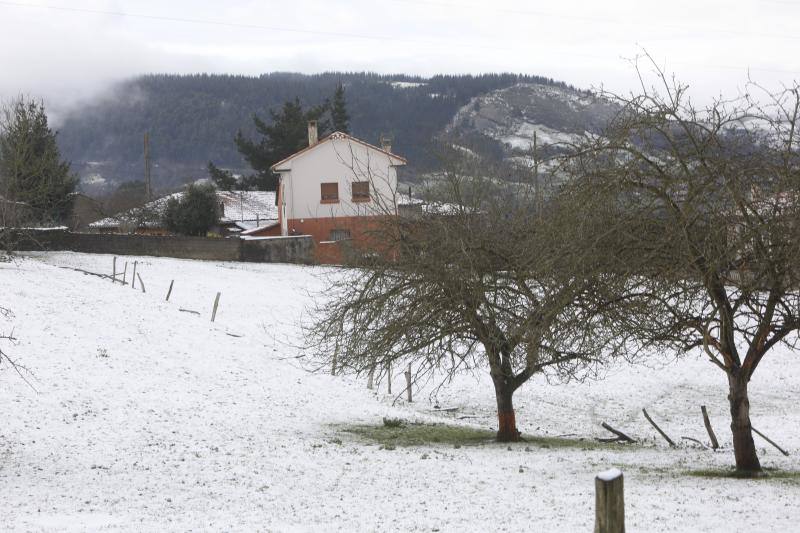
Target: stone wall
{"points": [[278, 250], [266, 250]]}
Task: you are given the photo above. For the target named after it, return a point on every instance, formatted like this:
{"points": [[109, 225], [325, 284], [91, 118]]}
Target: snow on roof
{"points": [[262, 227], [4, 200], [430, 207], [245, 206], [237, 207]]}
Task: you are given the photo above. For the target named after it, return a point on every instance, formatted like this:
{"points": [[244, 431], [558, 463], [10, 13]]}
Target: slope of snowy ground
{"points": [[147, 418]]}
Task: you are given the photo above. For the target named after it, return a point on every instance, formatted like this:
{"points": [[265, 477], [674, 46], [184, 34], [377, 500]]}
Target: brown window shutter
{"points": [[360, 191], [329, 192]]}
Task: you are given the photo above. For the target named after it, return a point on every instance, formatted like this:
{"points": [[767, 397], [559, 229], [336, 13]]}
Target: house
{"points": [[336, 189], [239, 211]]}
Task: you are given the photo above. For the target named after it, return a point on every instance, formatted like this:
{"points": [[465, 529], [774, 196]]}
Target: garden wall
{"points": [[298, 249]]}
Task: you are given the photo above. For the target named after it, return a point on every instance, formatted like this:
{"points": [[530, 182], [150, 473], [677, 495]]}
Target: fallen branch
{"points": [[105, 276], [666, 437], [784, 452], [697, 441], [189, 311], [620, 435]]}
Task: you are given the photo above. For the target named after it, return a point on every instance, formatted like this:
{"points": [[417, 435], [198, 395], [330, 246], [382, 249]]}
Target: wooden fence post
{"points": [[707, 422], [408, 382], [133, 278], [114, 271], [125, 273], [141, 282], [371, 377], [609, 502], [216, 304], [389, 375], [170, 289]]}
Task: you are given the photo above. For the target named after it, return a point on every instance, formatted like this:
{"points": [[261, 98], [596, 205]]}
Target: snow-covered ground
{"points": [[146, 418]]}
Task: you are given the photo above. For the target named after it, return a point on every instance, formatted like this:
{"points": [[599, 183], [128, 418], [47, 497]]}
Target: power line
{"points": [[592, 18], [207, 22]]}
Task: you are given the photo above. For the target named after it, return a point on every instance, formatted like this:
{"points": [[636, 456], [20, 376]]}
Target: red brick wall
{"points": [[270, 231], [361, 236]]}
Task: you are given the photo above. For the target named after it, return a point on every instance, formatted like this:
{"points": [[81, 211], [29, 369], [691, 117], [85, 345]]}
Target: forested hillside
{"points": [[192, 119]]}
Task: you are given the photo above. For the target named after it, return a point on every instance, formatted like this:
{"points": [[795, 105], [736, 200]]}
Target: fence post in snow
{"points": [[408, 382], [141, 282], [114, 271], [609, 502], [709, 429], [125, 273], [170, 290], [389, 375], [216, 304], [371, 377], [133, 278]]}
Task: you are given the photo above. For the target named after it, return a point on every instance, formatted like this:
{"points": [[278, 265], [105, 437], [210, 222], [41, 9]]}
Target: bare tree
{"points": [[5, 358], [472, 283], [702, 221]]}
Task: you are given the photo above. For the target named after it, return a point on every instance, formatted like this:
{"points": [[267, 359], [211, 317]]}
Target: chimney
{"points": [[312, 132], [386, 143]]}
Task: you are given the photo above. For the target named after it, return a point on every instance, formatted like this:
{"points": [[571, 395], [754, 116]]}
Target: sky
{"points": [[71, 51]]}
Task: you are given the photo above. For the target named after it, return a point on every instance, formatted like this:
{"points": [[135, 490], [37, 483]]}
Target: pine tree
{"points": [[31, 169], [339, 115], [286, 134], [223, 179]]}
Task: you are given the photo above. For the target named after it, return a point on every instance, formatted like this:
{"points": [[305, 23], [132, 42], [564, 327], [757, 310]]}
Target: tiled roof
{"points": [[338, 135]]}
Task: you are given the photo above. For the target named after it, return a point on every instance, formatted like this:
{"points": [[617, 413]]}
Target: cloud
{"points": [[72, 51]]}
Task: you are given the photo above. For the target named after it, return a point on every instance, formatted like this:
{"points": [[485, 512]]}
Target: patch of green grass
{"points": [[767, 473], [393, 422], [580, 444], [404, 433], [415, 434]]}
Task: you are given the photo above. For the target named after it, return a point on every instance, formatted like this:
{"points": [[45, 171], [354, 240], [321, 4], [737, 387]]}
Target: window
{"points": [[361, 191], [340, 235], [330, 193]]}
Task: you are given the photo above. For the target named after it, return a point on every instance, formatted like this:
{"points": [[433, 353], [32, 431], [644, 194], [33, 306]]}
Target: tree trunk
{"points": [[744, 449], [507, 424]]}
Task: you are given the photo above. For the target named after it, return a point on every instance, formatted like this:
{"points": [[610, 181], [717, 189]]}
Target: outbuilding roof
{"points": [[256, 207]]}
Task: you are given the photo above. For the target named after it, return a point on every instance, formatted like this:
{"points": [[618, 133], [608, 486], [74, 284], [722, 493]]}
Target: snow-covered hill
{"points": [[512, 116], [147, 418]]}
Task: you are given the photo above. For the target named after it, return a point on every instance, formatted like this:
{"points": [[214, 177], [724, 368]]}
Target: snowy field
{"points": [[146, 418]]}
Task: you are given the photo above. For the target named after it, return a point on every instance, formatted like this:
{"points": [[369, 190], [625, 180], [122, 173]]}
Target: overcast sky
{"points": [[67, 50]]}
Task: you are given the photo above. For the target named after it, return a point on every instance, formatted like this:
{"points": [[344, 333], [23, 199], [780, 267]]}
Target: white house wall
{"points": [[339, 161]]}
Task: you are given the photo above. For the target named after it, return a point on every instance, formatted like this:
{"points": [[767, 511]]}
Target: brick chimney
{"points": [[312, 133], [386, 143]]}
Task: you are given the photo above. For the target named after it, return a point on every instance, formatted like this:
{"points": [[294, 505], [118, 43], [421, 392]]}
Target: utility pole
{"points": [[538, 191], [148, 189]]}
